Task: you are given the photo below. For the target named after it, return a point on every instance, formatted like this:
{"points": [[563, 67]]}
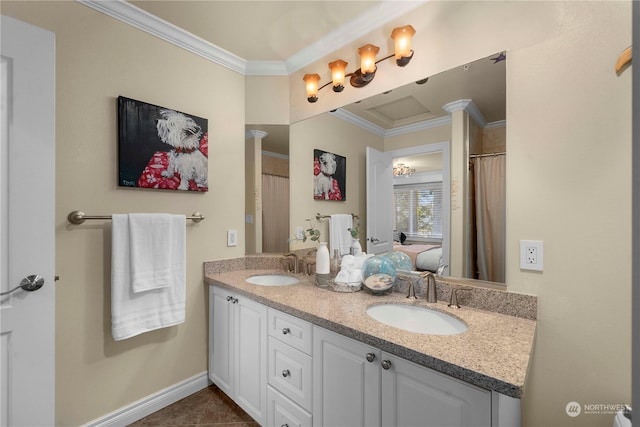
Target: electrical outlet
{"points": [[531, 255], [299, 233], [232, 237]]}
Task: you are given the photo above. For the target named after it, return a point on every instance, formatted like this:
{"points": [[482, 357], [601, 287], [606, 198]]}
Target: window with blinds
{"points": [[418, 210]]}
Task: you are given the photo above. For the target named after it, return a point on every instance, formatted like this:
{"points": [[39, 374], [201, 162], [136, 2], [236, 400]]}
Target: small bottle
{"points": [[335, 263]]}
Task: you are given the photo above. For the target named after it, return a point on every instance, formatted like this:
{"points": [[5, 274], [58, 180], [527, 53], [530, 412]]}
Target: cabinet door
{"points": [[413, 395], [250, 355], [346, 386], [220, 339]]}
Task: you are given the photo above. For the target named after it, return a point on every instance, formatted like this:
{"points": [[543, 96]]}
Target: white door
{"points": [[379, 201], [27, 177]]}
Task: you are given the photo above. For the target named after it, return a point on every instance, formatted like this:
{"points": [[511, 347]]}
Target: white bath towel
{"points": [[134, 313], [150, 247], [339, 234]]}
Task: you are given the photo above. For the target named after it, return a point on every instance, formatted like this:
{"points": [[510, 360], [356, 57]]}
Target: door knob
{"points": [[30, 283], [374, 240]]}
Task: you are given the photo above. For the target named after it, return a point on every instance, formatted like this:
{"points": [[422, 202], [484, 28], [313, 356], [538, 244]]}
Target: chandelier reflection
{"points": [[402, 170]]}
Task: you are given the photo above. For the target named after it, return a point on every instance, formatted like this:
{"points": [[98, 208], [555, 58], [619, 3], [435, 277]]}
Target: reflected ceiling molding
{"points": [[400, 130], [497, 124], [359, 121], [372, 19], [469, 107], [278, 155], [151, 24]]}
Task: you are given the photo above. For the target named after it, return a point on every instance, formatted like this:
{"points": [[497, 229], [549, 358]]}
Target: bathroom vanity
{"points": [[301, 355]]}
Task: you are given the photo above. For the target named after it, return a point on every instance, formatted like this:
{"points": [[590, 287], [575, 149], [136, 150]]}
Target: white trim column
{"points": [[253, 191]]}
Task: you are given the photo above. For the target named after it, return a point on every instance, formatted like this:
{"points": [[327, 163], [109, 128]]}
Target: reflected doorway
{"points": [[266, 188]]}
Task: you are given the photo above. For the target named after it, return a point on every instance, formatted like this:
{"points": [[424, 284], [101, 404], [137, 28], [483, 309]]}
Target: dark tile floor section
{"points": [[208, 407]]}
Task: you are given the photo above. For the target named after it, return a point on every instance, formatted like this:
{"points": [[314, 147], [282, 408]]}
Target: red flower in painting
{"points": [[151, 176]]}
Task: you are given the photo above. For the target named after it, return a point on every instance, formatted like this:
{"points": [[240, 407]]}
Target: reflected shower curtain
{"points": [[275, 213], [489, 189]]}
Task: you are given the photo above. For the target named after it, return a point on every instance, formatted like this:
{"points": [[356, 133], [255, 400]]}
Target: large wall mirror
{"points": [[463, 107]]}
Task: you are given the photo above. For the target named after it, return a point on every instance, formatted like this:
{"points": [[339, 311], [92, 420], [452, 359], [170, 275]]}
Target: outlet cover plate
{"points": [[531, 255]]}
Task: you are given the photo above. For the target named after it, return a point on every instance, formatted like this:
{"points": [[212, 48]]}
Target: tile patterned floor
{"points": [[208, 407]]}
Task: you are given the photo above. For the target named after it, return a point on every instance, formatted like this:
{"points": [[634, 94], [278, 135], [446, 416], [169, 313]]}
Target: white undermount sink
{"points": [[273, 280], [421, 320]]}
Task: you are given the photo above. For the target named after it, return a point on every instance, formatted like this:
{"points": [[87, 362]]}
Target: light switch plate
{"points": [[232, 237]]}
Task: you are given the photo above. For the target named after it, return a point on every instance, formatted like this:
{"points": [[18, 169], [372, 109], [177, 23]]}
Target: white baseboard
{"points": [[152, 403]]}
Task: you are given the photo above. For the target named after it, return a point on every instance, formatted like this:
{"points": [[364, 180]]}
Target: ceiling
{"points": [[279, 30]]}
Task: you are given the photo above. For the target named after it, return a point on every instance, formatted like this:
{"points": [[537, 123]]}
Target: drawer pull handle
{"points": [[285, 331], [386, 364], [371, 357], [286, 373]]}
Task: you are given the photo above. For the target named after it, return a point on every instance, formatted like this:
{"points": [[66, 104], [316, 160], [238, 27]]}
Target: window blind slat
{"points": [[418, 209]]}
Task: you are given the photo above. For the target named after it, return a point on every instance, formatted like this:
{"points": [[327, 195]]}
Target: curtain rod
{"points": [[474, 156]]}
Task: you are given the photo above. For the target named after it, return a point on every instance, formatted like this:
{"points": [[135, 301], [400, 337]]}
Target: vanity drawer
{"points": [[290, 372], [281, 411], [290, 330]]}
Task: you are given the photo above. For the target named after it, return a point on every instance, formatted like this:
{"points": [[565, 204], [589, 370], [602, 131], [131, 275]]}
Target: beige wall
{"points": [[99, 58], [569, 136], [331, 134]]}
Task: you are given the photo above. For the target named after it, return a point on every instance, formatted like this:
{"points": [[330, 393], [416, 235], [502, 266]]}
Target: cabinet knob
{"points": [[286, 373], [285, 331], [229, 298], [284, 425], [371, 357], [386, 364], [234, 300]]}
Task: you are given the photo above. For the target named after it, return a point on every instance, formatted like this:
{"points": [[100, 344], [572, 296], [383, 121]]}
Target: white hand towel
{"points": [[135, 313], [339, 234], [150, 245]]}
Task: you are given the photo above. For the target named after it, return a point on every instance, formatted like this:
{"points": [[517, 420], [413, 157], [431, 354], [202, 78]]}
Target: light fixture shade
{"points": [[402, 41], [338, 74], [311, 81], [368, 54]]}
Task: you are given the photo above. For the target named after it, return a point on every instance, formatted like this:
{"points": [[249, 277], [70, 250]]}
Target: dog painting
{"points": [[161, 148], [329, 176]]}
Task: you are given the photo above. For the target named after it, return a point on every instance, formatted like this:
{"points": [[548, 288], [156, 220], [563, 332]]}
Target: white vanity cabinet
{"points": [[346, 381], [359, 385], [413, 395], [290, 370], [238, 350]]}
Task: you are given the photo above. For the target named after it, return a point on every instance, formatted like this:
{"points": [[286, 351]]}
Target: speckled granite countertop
{"points": [[493, 353]]}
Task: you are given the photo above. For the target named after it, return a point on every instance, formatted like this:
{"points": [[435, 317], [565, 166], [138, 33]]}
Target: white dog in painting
{"points": [[323, 182], [183, 134]]}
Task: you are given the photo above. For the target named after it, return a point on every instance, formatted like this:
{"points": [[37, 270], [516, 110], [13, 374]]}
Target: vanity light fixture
{"points": [[402, 170], [367, 71]]}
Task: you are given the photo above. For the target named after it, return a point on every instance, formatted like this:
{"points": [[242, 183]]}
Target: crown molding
{"points": [[276, 155], [498, 124], [358, 27], [151, 24], [358, 121], [401, 130], [468, 107], [352, 30]]}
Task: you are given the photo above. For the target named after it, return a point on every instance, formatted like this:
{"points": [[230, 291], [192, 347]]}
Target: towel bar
{"points": [[78, 217], [321, 217]]}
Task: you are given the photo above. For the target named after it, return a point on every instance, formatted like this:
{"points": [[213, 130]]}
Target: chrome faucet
{"points": [[430, 291], [295, 262], [453, 301]]}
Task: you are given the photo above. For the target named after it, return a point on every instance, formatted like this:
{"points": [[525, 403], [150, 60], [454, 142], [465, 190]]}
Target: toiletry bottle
{"points": [[335, 263]]}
